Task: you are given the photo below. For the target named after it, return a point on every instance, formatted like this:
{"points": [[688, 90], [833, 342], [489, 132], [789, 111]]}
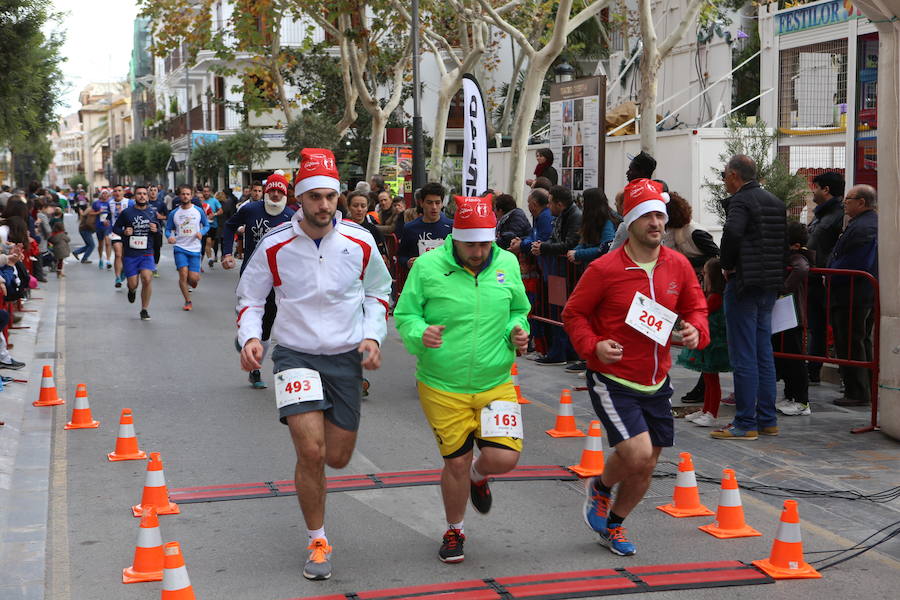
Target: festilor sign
{"points": [[815, 15]]}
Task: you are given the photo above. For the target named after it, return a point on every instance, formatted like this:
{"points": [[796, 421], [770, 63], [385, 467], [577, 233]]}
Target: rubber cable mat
{"points": [[575, 584], [349, 483]]}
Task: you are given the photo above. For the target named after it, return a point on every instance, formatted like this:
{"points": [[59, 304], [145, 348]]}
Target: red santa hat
{"points": [[277, 181], [475, 220], [643, 196], [318, 169]]}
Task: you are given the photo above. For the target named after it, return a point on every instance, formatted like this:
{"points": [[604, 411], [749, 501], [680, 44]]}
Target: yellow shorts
{"points": [[456, 418]]}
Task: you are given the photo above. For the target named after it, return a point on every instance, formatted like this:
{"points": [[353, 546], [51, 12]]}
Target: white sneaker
{"points": [[795, 409], [785, 402], [705, 420], [693, 415]]}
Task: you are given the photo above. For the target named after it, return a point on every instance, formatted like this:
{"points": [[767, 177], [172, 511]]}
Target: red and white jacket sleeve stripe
{"points": [[252, 291], [377, 288]]}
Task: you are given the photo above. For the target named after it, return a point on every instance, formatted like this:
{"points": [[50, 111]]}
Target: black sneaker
{"points": [[12, 364], [132, 294], [452, 547], [481, 496], [6, 379], [118, 283], [256, 381], [546, 361], [145, 316], [577, 367]]}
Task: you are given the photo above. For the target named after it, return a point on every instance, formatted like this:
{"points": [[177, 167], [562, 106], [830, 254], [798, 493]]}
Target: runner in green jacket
{"points": [[463, 314]]}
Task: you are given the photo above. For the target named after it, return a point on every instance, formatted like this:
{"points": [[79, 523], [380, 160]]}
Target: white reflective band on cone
{"points": [[565, 410], [593, 443], [47, 382], [149, 537], [515, 379], [788, 532], [81, 402], [685, 479], [155, 479], [175, 579], [126, 431], [730, 498]]}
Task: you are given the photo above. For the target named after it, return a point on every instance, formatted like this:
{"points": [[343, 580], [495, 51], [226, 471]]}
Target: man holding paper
{"points": [[620, 318]]}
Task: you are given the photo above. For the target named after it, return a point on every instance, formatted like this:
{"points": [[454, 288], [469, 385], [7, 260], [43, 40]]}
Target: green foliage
{"points": [[208, 160], [156, 156], [120, 163], [29, 62], [173, 105], [246, 148], [135, 159], [774, 174], [310, 130], [746, 79], [79, 179], [145, 159]]}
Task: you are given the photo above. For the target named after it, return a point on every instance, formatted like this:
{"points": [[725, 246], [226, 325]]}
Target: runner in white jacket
{"points": [[332, 290]]}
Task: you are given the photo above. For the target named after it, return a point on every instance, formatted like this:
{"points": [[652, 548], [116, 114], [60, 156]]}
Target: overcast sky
{"points": [[99, 36]]}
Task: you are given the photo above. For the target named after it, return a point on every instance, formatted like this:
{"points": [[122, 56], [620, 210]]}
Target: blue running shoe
{"points": [[596, 506], [614, 539]]}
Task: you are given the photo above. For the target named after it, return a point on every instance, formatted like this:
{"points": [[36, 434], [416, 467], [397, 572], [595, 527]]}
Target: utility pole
{"points": [[418, 146], [187, 118]]}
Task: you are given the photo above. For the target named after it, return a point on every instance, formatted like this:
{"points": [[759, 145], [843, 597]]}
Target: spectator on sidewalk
{"points": [[597, 228], [753, 258], [794, 372], [641, 166], [824, 230], [512, 222], [428, 231], [851, 315], [544, 168]]}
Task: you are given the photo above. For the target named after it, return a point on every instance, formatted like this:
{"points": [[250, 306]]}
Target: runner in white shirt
{"points": [[185, 227], [332, 290], [117, 204]]}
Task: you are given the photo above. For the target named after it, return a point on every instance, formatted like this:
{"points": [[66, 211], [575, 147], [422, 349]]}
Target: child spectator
{"points": [[794, 372], [61, 249], [713, 359]]}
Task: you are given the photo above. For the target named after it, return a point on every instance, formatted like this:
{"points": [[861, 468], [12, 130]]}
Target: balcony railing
{"points": [[177, 127]]}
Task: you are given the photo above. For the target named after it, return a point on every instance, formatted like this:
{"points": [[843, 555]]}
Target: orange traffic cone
{"points": [[592, 456], [126, 443], [81, 414], [48, 396], [514, 372], [786, 559], [148, 554], [155, 492], [686, 498], [565, 419], [176, 585], [729, 521]]}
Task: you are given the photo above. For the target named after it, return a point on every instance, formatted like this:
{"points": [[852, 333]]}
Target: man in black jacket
{"points": [[512, 222], [824, 230], [753, 256], [565, 236], [851, 310]]}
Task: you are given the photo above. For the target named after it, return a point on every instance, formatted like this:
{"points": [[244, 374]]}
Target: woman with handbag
{"points": [[87, 225]]}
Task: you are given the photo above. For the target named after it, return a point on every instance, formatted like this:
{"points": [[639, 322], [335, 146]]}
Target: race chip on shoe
{"points": [[651, 319], [294, 386], [502, 419]]}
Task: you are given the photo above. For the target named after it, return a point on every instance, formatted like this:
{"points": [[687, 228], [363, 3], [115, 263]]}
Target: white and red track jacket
{"points": [[330, 297]]}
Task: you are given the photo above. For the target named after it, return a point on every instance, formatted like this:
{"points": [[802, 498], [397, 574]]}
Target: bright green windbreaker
{"points": [[479, 314]]}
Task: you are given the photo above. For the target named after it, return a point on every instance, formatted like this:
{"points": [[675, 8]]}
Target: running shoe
{"points": [[132, 294], [704, 420], [87, 262], [577, 367], [187, 306], [318, 564], [452, 546], [12, 364], [596, 505], [211, 263], [256, 381], [6, 379], [108, 265], [729, 399], [481, 496], [546, 361], [155, 274], [100, 266], [794, 409], [693, 415], [730, 432], [145, 316], [614, 539], [118, 282]]}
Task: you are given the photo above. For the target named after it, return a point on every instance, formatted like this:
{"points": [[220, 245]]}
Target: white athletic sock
{"points": [[313, 534], [459, 526], [474, 475]]}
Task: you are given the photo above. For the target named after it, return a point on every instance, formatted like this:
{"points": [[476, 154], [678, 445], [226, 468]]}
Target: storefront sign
{"points": [[815, 15], [577, 115]]}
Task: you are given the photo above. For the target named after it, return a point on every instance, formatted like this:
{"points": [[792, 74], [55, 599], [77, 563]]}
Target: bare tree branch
{"points": [[687, 19]]}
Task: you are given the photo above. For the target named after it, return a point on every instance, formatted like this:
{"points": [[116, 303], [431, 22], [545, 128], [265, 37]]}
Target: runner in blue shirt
{"points": [[158, 203], [137, 225], [211, 239], [101, 207], [185, 227], [117, 204]]}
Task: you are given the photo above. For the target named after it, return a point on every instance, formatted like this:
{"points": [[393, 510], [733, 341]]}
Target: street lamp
{"points": [[564, 72], [418, 171]]}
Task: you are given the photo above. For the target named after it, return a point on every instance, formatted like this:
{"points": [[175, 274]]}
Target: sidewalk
{"points": [[25, 445], [815, 452]]}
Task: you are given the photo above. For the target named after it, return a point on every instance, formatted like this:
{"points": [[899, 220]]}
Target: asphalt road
{"points": [[180, 375]]}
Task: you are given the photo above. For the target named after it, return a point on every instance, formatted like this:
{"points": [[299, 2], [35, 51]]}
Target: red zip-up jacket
{"points": [[597, 308]]}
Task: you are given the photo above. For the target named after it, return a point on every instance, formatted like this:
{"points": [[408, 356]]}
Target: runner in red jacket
{"points": [[620, 318]]}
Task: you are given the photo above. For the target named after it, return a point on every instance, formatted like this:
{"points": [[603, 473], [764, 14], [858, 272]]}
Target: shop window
{"points": [[866, 157], [812, 95]]}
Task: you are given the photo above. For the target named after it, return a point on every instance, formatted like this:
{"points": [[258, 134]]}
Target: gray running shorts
{"points": [[341, 383]]}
